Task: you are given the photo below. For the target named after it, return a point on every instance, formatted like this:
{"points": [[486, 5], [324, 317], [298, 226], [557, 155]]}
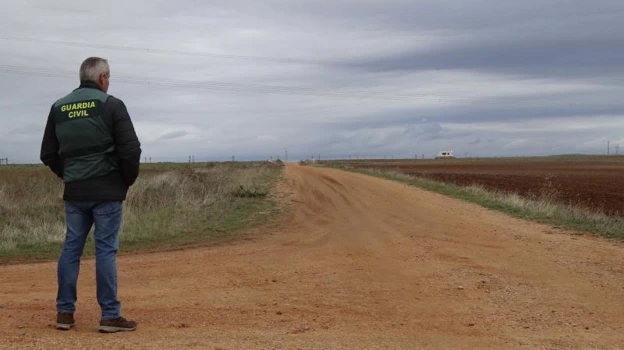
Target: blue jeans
{"points": [[80, 217]]}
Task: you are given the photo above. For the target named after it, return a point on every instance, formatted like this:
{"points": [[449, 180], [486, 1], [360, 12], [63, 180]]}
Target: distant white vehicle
{"points": [[445, 155]]}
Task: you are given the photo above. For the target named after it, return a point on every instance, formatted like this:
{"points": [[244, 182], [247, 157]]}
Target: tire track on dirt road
{"points": [[357, 263]]}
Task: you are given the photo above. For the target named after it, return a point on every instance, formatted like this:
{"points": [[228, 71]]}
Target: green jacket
{"points": [[86, 147]]}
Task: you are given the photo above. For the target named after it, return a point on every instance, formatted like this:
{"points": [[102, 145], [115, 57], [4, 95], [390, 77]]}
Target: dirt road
{"points": [[358, 263]]}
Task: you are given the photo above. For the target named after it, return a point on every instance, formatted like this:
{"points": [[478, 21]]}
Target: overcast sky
{"points": [[337, 78]]}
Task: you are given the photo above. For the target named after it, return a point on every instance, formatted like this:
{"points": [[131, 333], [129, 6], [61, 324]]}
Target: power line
{"points": [[221, 86], [212, 85], [170, 52], [290, 90]]}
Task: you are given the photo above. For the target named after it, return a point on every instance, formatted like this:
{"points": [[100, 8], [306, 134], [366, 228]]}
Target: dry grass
{"points": [[168, 203], [31, 209], [546, 209]]}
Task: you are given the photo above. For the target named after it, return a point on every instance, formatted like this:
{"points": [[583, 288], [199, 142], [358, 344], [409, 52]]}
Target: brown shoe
{"points": [[64, 321], [115, 325]]}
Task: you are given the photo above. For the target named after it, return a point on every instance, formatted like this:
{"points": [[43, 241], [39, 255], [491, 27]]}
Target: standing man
{"points": [[90, 143]]}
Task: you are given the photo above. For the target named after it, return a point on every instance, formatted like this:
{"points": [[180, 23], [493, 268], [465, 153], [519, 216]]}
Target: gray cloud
{"points": [[482, 77], [28, 130], [561, 58], [172, 135]]}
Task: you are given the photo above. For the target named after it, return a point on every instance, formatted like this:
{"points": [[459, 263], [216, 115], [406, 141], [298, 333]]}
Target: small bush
{"points": [[242, 192]]}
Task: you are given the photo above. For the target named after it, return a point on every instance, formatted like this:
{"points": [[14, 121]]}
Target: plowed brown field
{"points": [[357, 263], [594, 184]]}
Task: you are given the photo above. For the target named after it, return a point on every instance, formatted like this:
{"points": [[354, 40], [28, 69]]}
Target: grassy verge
{"points": [[543, 210], [170, 206]]}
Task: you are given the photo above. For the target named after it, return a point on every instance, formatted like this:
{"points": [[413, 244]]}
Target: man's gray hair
{"points": [[92, 68]]}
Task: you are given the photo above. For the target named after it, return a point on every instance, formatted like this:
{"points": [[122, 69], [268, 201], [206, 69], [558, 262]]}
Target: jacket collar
{"points": [[89, 84]]}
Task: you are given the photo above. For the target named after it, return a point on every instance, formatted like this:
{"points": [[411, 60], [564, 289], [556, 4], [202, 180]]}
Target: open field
{"points": [[357, 263], [170, 205], [592, 182]]}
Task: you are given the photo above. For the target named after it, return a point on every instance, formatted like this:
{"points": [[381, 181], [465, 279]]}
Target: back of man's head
{"points": [[92, 69]]}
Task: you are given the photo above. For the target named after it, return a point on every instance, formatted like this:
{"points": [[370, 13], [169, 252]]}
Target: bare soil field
{"points": [[592, 182], [357, 263]]}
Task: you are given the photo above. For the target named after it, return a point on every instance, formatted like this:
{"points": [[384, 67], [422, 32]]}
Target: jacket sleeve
{"points": [[127, 143], [50, 148]]}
